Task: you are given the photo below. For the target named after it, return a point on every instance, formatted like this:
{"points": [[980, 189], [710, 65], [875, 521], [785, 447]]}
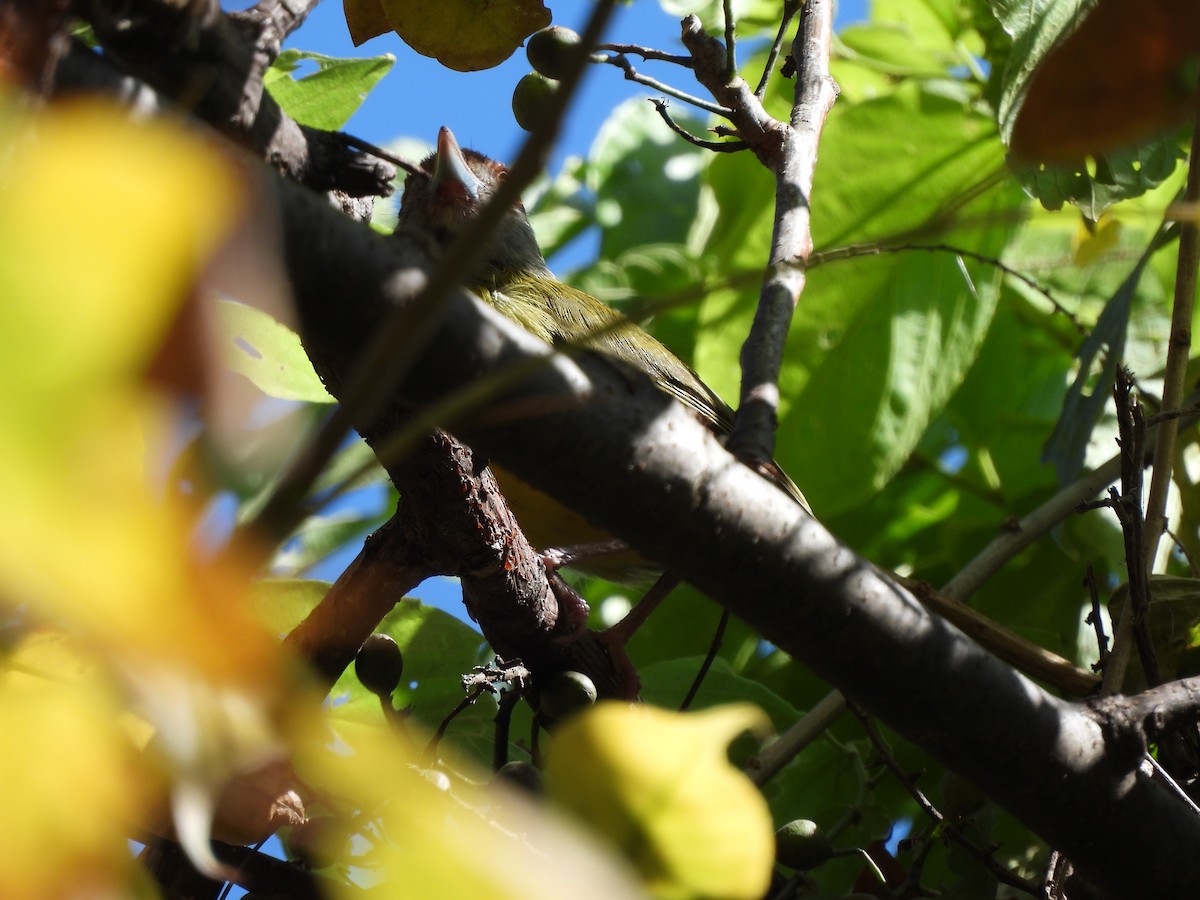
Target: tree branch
{"points": [[658, 478], [791, 239], [203, 62], [1178, 354]]}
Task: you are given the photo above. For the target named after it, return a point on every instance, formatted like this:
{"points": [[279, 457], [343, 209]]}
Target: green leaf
{"points": [[750, 15], [319, 536], [667, 683], [646, 180], [328, 97], [1116, 176], [877, 344], [560, 209], [1073, 432], [268, 353]]}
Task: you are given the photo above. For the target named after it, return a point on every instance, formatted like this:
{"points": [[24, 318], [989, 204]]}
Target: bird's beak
{"points": [[452, 168]]}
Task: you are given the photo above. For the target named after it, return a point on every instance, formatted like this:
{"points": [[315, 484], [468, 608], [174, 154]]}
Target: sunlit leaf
{"points": [[268, 353], [659, 787], [444, 834], [328, 97]]}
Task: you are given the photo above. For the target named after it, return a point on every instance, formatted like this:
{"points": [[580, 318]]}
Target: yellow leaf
{"points": [[1089, 244], [466, 35], [71, 786], [87, 541], [659, 786], [442, 832]]}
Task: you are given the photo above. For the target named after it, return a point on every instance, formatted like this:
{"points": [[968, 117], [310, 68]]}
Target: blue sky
{"points": [[419, 95]]}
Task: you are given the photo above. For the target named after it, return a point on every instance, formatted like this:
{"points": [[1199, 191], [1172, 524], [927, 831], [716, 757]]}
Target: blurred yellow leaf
{"points": [[87, 542], [88, 298], [1091, 243], [445, 835], [466, 35], [659, 786], [71, 783]]}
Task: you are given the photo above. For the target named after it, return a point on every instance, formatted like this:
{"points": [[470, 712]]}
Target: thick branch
{"points": [[657, 477], [206, 64]]}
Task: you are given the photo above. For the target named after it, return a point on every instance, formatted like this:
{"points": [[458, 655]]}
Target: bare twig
{"points": [[660, 106], [1178, 352], [714, 647], [791, 241], [1096, 619], [790, 8], [647, 53], [730, 40], [857, 250], [1128, 507], [763, 132], [631, 74], [359, 144]]}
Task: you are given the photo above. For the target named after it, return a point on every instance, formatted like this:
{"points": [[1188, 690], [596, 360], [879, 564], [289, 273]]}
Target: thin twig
{"points": [[1096, 619], [631, 74], [359, 144], [1178, 352], [647, 53], [790, 8], [660, 107], [730, 40], [714, 647], [463, 704]]}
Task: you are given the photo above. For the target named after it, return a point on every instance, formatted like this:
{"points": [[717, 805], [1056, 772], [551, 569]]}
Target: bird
{"points": [[440, 198]]}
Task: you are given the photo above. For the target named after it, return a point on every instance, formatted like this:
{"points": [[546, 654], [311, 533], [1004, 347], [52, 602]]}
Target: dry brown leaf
{"points": [[1119, 77], [466, 35]]}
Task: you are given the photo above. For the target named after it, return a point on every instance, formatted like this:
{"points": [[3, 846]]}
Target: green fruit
{"points": [[565, 693], [960, 797], [531, 100], [524, 776], [801, 844], [551, 50], [379, 665]]}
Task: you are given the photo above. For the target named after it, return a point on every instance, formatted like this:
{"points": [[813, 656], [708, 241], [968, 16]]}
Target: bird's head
{"points": [[449, 191]]}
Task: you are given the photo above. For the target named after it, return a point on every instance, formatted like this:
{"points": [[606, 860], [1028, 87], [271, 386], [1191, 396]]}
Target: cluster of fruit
{"points": [[550, 52]]}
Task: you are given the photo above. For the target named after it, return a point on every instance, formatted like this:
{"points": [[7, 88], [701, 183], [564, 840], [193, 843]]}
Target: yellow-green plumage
{"points": [[515, 280]]}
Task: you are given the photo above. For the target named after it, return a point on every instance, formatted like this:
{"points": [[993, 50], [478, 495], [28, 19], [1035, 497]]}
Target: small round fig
{"points": [[524, 776], [550, 50], [802, 844], [531, 98], [960, 797], [379, 665], [565, 693]]}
